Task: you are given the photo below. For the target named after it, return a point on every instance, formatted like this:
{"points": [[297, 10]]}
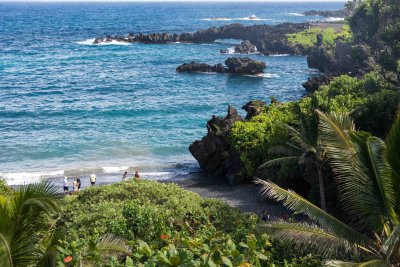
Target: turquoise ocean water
{"points": [[69, 108]]}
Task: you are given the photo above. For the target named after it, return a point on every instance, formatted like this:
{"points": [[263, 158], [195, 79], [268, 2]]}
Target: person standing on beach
{"points": [[93, 179], [78, 181], [125, 177], [137, 176], [75, 185], [65, 185]]}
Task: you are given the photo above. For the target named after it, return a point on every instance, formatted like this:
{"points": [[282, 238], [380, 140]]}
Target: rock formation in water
{"points": [[235, 65], [268, 39], [201, 67], [244, 65], [213, 151], [341, 13], [244, 47]]}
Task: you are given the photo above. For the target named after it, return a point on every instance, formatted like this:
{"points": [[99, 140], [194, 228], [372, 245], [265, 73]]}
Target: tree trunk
{"points": [[321, 187]]}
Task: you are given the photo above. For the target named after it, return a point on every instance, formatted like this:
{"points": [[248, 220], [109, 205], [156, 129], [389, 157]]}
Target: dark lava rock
{"points": [[245, 65], [213, 151], [314, 83], [341, 13], [254, 108], [269, 39], [344, 58], [200, 67], [243, 48], [236, 65]]}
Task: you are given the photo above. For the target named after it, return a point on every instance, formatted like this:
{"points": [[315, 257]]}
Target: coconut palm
{"points": [[366, 172], [304, 147], [19, 213]]}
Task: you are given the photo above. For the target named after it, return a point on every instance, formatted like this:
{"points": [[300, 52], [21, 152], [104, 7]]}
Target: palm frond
{"points": [[310, 236], [285, 150], [294, 202], [278, 162], [360, 168], [393, 242], [110, 243], [372, 263], [393, 156], [5, 252], [17, 215]]}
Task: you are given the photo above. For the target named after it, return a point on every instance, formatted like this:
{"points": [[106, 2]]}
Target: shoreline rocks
{"points": [[244, 47], [214, 153], [234, 65], [341, 13], [314, 83], [269, 39], [344, 58]]}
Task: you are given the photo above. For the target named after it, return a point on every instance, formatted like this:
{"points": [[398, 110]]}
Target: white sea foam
{"points": [[117, 169], [18, 178], [235, 19], [296, 14], [280, 55], [270, 75], [90, 42], [229, 50], [264, 75], [86, 42], [333, 19]]}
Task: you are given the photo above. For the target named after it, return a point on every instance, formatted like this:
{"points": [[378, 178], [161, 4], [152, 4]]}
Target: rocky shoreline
{"points": [[214, 153], [267, 39]]}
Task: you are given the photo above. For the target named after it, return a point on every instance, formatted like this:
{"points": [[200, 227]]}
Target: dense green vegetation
{"points": [[328, 147], [376, 23], [330, 36], [142, 223], [367, 175]]}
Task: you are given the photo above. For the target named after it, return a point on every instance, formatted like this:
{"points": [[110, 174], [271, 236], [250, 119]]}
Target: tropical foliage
{"points": [[367, 176], [23, 216], [376, 23]]}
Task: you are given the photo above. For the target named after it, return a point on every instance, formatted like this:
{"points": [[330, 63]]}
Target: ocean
{"points": [[70, 108]]}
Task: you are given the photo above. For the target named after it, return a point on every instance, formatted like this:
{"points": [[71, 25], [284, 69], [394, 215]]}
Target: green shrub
{"points": [[166, 225], [253, 138], [5, 189], [308, 38]]}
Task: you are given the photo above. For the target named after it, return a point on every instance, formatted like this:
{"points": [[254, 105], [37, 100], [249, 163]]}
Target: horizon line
{"points": [[171, 1]]}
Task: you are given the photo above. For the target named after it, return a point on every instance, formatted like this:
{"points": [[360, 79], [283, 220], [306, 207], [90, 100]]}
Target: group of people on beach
{"points": [[76, 184]]}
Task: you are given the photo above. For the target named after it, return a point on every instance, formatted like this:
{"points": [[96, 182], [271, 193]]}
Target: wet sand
{"points": [[243, 196]]}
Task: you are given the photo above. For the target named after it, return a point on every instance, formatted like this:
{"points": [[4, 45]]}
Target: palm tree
{"points": [[19, 214], [367, 176], [304, 148]]}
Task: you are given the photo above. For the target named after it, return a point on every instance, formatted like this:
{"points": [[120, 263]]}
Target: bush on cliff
{"points": [[253, 138], [166, 225], [371, 101], [376, 23], [308, 38]]}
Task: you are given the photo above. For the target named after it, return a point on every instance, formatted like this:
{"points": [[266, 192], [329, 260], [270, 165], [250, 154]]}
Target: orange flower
{"points": [[68, 259], [164, 237]]}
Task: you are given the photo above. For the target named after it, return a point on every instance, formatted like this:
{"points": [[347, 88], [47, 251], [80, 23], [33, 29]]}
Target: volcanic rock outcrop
{"points": [[213, 151], [269, 39], [244, 47], [235, 65]]}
